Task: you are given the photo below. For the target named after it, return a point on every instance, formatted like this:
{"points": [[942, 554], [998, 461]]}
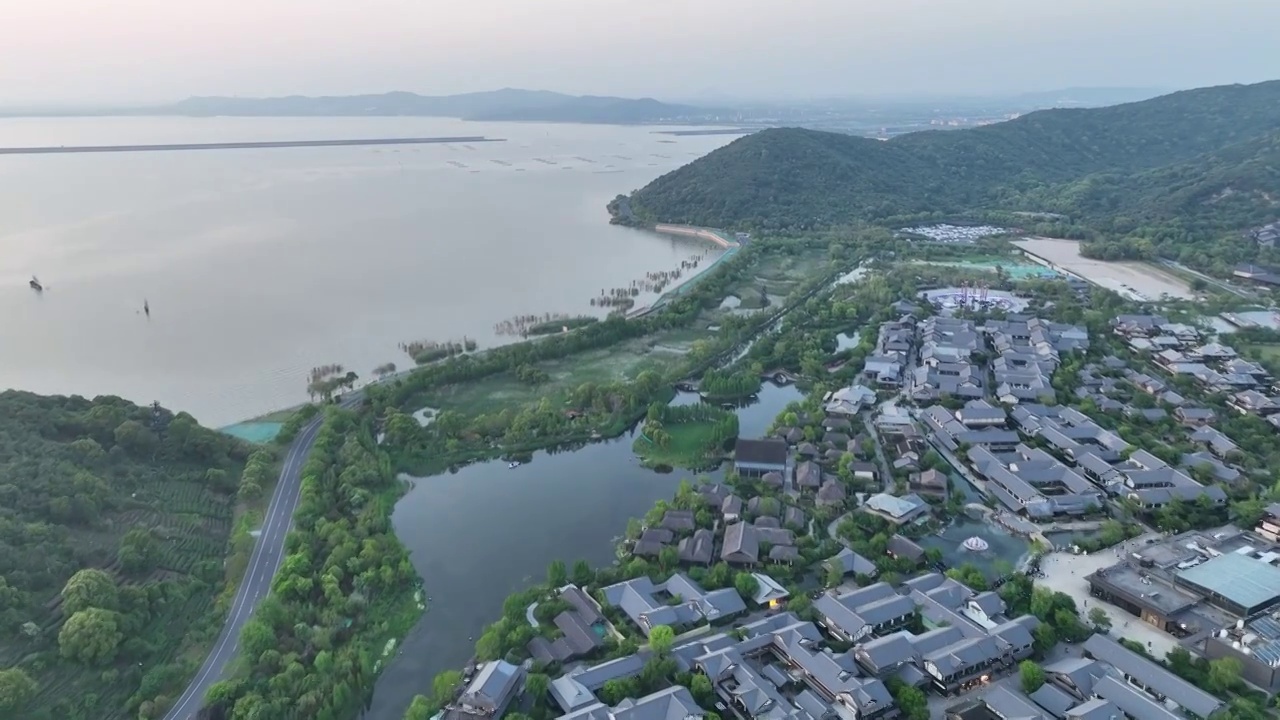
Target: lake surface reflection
{"points": [[481, 533], [261, 264]]}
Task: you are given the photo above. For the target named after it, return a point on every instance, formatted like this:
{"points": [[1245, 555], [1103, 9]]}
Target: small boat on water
{"points": [[35, 284], [514, 465], [146, 307]]}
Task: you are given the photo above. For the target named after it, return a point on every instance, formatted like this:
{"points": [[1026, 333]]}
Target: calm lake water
{"points": [[260, 264], [484, 532]]}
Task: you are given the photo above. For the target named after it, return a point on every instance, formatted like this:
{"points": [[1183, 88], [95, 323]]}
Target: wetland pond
{"points": [[485, 531]]}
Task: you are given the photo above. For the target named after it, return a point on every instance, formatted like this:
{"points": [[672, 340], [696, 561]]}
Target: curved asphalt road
{"points": [[265, 560]]}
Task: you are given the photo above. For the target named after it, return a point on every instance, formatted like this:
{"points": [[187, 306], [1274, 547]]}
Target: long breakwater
{"points": [[53, 149], [698, 232]]}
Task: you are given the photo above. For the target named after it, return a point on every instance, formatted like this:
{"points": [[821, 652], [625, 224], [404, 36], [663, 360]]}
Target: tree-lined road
{"points": [[265, 560]]}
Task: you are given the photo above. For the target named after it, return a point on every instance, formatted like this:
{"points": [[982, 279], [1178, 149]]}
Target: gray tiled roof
{"points": [[1131, 701], [1152, 676], [808, 475], [637, 599], [1095, 709], [851, 563], [678, 520], [794, 516], [903, 547], [740, 544], [673, 703], [1012, 705], [968, 653], [936, 639], [698, 548], [990, 603], [579, 636], [493, 686], [1054, 699], [831, 493], [887, 652], [581, 603], [784, 553]]}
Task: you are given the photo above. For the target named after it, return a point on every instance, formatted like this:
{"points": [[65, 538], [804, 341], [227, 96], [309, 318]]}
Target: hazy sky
{"points": [[159, 50]]}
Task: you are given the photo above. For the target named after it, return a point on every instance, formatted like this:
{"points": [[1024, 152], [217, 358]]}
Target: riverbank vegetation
{"points": [[686, 436], [655, 282], [524, 326], [564, 324], [429, 351], [597, 381], [730, 385], [343, 591], [324, 381], [115, 524]]}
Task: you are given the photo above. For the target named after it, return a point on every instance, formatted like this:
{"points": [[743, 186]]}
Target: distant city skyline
{"points": [[76, 52]]}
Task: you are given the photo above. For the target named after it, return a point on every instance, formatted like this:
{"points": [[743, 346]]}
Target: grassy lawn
{"points": [[690, 445], [620, 362], [1268, 353]]}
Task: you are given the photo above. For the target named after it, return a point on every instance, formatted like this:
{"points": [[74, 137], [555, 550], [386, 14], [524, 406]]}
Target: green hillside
{"points": [[137, 506], [1153, 159]]}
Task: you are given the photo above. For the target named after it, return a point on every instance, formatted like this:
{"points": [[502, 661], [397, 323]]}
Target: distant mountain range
{"points": [[1181, 175], [507, 104]]}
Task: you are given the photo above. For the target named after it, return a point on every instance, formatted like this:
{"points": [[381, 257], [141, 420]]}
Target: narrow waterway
{"points": [[481, 533]]}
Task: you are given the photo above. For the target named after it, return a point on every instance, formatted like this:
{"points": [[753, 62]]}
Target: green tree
{"points": [[444, 686], [800, 604], [1045, 638], [668, 557], [1032, 676], [535, 686], [1244, 709], [557, 574], [702, 690], [257, 637], [138, 551], [135, 438], [661, 638], [90, 636], [835, 574], [1100, 619], [16, 688], [911, 702], [90, 588], [582, 574], [746, 585], [1224, 675], [222, 693], [419, 709]]}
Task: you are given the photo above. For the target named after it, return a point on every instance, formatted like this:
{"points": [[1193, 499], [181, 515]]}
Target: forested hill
{"points": [[114, 521], [797, 179]]}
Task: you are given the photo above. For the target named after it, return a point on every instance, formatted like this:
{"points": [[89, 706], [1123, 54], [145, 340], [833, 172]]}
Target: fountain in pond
{"points": [[975, 544]]}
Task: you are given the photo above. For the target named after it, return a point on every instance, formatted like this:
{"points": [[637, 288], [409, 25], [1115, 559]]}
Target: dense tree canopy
{"points": [[1163, 176], [90, 588], [122, 513], [344, 588], [90, 636]]}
